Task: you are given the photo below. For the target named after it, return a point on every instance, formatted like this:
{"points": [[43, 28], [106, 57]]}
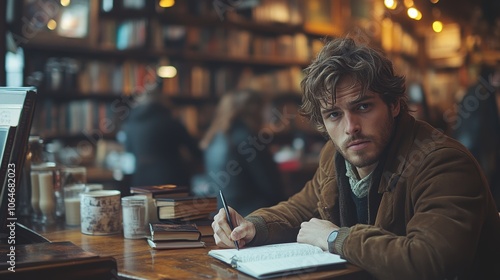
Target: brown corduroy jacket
{"points": [[431, 214]]}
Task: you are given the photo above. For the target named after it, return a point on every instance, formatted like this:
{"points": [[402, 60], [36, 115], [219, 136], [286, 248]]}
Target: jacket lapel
{"points": [[348, 214]]}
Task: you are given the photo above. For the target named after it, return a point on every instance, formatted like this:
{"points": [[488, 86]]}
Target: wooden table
{"points": [[136, 260]]}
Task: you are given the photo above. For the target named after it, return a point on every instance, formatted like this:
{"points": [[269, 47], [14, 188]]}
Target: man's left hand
{"points": [[315, 232]]}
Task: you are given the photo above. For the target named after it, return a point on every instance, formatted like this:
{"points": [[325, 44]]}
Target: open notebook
{"points": [[278, 260]]}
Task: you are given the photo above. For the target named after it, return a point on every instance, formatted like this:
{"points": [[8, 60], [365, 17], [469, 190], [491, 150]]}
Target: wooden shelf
{"points": [[148, 54], [68, 95], [233, 22], [64, 96], [96, 52], [250, 61]]}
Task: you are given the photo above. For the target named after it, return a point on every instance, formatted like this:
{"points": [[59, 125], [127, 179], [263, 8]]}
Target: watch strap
{"points": [[338, 244]]}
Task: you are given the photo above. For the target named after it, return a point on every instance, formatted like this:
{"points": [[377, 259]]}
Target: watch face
{"points": [[331, 239], [333, 236]]}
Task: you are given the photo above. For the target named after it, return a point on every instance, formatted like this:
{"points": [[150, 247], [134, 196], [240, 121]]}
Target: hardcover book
{"points": [[161, 191], [186, 208], [179, 244], [174, 236], [276, 260], [187, 200], [163, 232]]}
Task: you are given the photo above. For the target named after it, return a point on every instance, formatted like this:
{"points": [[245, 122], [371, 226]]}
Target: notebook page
{"points": [[275, 251], [292, 265], [277, 259]]}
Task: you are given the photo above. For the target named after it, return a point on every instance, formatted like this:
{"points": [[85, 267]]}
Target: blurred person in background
{"points": [[477, 124], [236, 160], [417, 102], [165, 152]]}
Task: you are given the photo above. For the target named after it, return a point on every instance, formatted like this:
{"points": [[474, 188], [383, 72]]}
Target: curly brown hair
{"points": [[344, 57]]}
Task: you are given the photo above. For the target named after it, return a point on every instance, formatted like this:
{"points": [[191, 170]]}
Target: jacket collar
{"points": [[397, 151]]}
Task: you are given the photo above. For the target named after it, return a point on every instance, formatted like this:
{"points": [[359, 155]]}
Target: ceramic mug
{"points": [[100, 212]]}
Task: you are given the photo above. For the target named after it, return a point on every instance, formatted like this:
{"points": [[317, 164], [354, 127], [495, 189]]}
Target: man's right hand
{"points": [[244, 231]]}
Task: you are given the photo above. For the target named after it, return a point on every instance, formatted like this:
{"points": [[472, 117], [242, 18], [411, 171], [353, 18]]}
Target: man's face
{"points": [[360, 129]]}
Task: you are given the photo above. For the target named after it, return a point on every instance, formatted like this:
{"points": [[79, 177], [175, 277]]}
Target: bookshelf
{"points": [[214, 50], [89, 82]]}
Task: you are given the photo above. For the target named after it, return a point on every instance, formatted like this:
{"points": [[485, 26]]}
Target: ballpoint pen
{"points": [[228, 217]]}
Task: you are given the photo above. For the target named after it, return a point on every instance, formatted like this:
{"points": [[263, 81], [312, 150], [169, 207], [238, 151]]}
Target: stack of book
{"points": [[153, 192], [174, 202], [185, 208], [161, 191], [174, 236]]}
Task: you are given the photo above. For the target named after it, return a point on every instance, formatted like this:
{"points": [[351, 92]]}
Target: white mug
{"points": [[100, 212]]}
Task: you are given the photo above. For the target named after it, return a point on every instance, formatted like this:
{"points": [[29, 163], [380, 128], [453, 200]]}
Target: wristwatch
{"points": [[331, 239]]}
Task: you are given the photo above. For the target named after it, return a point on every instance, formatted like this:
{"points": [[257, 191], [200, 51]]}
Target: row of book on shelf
{"points": [[235, 43], [279, 11], [74, 118], [129, 77], [230, 42], [126, 34], [263, 11], [202, 81], [85, 116], [93, 76], [173, 214]]}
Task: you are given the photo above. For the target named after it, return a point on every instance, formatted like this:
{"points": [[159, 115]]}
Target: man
{"points": [[391, 194]]}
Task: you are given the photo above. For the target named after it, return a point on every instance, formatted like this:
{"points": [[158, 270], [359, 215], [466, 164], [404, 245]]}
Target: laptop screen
{"points": [[16, 114]]}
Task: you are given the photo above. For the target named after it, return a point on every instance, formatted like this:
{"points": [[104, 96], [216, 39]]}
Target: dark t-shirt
{"points": [[155, 138]]}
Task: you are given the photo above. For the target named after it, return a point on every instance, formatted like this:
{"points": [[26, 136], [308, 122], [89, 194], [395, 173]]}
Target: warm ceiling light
{"points": [[52, 24], [166, 71], [434, 1], [391, 4], [419, 16], [415, 14], [437, 26], [166, 3], [65, 3]]}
